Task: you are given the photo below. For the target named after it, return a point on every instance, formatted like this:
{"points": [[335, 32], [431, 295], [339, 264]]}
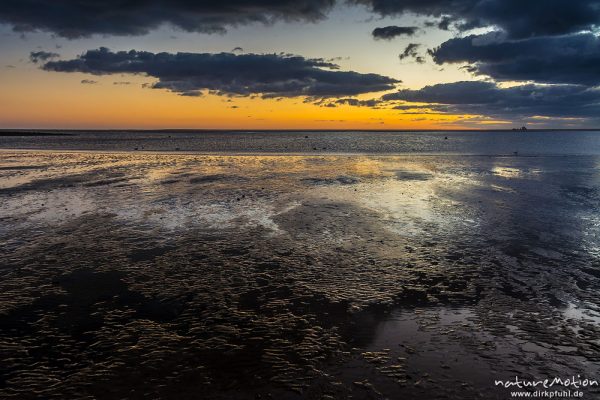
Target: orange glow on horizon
{"points": [[65, 103]]}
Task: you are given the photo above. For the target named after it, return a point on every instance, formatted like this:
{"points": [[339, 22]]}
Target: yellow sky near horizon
{"points": [[65, 102]]}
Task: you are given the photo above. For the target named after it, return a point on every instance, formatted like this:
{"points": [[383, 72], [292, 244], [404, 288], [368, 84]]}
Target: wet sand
{"points": [[288, 277]]}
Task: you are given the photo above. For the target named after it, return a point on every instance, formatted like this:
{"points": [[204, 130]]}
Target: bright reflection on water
{"points": [[402, 274]]}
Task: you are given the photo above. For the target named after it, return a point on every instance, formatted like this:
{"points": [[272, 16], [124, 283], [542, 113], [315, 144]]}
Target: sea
{"points": [[524, 143]]}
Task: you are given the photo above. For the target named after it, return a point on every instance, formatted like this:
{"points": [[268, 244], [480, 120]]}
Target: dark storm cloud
{"points": [[486, 98], [412, 51], [40, 56], [518, 18], [268, 75], [562, 59], [80, 18], [390, 32]]}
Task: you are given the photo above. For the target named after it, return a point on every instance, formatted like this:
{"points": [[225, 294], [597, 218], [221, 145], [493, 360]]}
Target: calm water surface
{"points": [[477, 143]]}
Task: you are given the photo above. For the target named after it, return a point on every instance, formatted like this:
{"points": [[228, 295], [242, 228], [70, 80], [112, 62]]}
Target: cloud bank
{"points": [[519, 19], [517, 102], [561, 59], [82, 18], [267, 75]]}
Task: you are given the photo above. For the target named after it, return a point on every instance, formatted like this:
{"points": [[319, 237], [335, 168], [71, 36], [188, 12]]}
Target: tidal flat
{"points": [[188, 276]]}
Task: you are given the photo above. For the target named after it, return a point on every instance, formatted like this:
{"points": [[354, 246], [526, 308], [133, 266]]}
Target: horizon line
{"points": [[202, 130]]}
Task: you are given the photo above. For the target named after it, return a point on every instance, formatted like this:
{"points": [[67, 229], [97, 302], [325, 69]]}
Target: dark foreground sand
{"points": [[318, 277]]}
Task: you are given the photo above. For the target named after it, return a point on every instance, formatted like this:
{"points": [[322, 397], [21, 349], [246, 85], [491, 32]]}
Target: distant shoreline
{"points": [[35, 133]]}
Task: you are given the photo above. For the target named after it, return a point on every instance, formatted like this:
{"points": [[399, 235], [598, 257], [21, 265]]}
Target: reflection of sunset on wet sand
{"points": [[293, 276]]}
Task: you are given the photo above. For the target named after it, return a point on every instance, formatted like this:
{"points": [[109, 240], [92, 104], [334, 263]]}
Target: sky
{"points": [[299, 64]]}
